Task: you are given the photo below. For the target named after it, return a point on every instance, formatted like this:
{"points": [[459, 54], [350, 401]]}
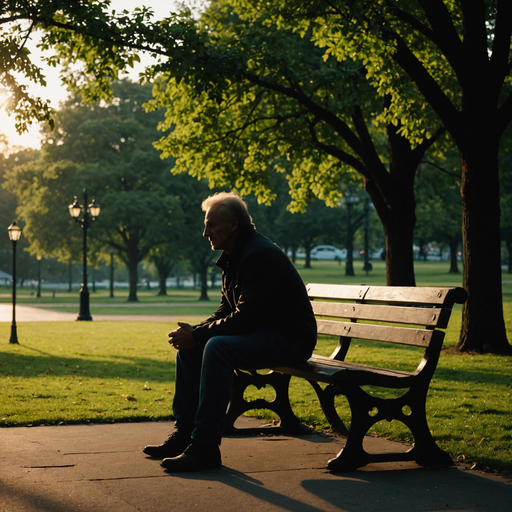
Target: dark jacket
{"points": [[260, 290]]}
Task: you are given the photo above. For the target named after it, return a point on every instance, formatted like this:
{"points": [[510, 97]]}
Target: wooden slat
{"points": [[324, 369], [340, 365], [388, 334], [336, 291], [429, 317], [390, 294], [409, 295]]}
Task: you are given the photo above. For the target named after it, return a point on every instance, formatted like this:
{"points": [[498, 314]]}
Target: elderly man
{"points": [[253, 328]]}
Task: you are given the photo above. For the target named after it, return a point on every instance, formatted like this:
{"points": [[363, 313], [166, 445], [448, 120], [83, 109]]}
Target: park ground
{"points": [[111, 371]]}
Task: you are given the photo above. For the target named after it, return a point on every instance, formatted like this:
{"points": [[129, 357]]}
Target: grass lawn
{"points": [[70, 372]]}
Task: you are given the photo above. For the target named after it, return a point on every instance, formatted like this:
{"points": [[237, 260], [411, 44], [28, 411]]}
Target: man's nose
{"points": [[206, 232]]}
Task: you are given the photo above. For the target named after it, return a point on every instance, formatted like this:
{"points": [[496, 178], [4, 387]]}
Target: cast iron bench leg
{"points": [[326, 398], [368, 410], [280, 405], [425, 450]]}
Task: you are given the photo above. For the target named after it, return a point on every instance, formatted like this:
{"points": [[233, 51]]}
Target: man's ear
{"points": [[234, 225]]}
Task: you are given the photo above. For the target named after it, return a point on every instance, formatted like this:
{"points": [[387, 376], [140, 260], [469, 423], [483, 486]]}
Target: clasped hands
{"points": [[181, 338]]}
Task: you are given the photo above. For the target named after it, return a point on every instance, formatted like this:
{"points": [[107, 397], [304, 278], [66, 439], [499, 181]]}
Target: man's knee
{"points": [[217, 348], [191, 355], [216, 343]]}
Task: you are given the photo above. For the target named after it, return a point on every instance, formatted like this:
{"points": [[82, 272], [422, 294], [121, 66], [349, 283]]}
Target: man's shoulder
{"points": [[259, 242]]}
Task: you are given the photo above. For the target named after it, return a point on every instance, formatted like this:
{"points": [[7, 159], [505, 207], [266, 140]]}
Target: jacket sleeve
{"points": [[222, 311]]}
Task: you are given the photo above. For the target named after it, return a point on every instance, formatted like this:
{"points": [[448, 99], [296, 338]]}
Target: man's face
{"points": [[221, 234]]}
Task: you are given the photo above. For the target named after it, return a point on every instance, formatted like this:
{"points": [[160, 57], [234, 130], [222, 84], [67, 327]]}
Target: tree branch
{"points": [[443, 34], [369, 154], [445, 171], [428, 86], [318, 111], [336, 152]]}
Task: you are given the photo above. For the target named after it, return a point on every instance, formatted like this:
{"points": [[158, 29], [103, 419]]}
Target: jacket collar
{"points": [[242, 239]]}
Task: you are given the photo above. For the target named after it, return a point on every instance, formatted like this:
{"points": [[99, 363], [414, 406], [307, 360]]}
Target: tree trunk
{"points": [[133, 276], [214, 274], [162, 279], [163, 266], [399, 249], [398, 220], [307, 260], [349, 265], [483, 325], [453, 243], [392, 193], [294, 254], [204, 283]]}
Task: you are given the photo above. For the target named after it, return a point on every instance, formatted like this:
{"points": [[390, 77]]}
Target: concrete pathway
{"points": [[99, 468], [32, 314]]}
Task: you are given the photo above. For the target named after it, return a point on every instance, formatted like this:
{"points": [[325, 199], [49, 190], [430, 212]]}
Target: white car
{"points": [[328, 252]]}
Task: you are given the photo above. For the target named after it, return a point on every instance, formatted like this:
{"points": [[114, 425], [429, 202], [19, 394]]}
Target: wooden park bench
{"points": [[395, 315]]}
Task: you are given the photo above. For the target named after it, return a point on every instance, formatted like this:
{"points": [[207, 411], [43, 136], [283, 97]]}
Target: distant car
{"points": [[328, 252]]}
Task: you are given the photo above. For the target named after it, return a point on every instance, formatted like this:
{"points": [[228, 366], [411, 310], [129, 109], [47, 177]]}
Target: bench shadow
{"points": [[418, 489], [270, 430], [251, 486]]}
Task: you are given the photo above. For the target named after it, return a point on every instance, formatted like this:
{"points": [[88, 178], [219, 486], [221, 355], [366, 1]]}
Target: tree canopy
{"points": [[259, 99], [424, 59], [108, 150], [82, 31]]}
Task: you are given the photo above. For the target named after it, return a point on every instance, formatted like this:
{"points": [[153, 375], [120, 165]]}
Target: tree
{"points": [[95, 31], [8, 205], [107, 149], [421, 56], [506, 227], [255, 97], [197, 248], [165, 258], [309, 228], [443, 47]]}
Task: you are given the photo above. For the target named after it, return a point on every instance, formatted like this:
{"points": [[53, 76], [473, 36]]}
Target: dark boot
{"points": [[173, 446], [196, 457]]}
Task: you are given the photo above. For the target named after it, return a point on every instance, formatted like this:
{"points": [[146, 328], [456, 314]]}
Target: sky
{"points": [[55, 92]]}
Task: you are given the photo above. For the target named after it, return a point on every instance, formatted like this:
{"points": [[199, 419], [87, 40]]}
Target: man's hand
{"points": [[181, 338]]}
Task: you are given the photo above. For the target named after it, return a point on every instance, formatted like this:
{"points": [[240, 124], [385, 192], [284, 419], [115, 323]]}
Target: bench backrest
{"points": [[425, 308]]}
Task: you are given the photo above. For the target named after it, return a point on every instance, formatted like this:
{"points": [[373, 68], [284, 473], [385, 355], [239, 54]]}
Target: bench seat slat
{"points": [[385, 333], [429, 317], [329, 371]]}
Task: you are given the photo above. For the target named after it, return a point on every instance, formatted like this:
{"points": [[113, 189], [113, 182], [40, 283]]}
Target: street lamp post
{"points": [[38, 294], [14, 235], [350, 201], [111, 271], [90, 212]]}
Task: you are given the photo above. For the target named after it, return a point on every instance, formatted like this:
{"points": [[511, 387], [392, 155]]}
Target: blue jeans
{"points": [[204, 377]]}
